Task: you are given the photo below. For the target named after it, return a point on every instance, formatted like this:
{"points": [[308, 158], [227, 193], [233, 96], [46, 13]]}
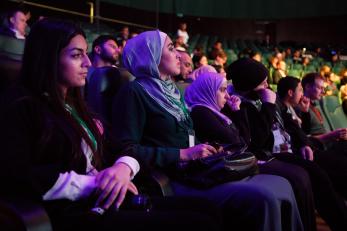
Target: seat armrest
{"points": [[164, 183]]}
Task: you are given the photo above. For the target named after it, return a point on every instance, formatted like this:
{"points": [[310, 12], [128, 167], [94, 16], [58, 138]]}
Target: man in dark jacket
{"points": [[333, 162], [269, 136], [15, 24]]}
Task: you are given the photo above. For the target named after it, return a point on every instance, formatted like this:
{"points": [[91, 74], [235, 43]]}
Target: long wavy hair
{"points": [[40, 75]]}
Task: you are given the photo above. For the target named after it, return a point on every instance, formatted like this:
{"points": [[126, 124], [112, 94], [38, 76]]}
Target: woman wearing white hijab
{"points": [[151, 121]]}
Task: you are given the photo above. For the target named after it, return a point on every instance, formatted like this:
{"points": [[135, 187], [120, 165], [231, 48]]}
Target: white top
{"points": [[17, 34], [184, 34], [73, 186]]}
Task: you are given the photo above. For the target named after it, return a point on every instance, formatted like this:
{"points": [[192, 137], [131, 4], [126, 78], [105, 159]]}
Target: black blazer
{"points": [[209, 127], [35, 145]]}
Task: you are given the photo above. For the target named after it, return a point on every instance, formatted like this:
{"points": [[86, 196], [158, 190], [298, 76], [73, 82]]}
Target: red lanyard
{"points": [[317, 113]]}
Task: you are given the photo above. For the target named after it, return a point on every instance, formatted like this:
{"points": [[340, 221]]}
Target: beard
{"points": [[104, 55]]}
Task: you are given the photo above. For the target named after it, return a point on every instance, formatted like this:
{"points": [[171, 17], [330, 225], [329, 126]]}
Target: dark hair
{"points": [[286, 84], [221, 54], [343, 80], [16, 9], [344, 106], [40, 75], [99, 41], [196, 59], [310, 79]]}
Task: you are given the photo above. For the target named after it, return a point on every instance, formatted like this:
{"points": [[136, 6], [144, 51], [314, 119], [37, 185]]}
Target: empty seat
{"points": [[330, 103], [339, 118]]}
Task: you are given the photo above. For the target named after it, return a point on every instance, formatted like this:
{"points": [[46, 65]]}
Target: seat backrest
{"points": [[12, 47], [330, 103], [9, 71], [102, 85], [339, 118], [22, 214]]}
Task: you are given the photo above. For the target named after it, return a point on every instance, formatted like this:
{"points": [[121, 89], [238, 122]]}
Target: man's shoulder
{"points": [[7, 32]]}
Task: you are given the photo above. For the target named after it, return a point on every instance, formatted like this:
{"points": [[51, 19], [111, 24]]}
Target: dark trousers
{"points": [[334, 162], [300, 182], [169, 213], [329, 203]]}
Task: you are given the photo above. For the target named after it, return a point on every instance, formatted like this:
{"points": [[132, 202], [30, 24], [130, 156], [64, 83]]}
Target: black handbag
{"points": [[230, 165]]}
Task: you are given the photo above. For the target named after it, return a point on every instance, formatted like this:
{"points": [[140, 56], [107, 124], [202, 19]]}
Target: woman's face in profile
{"points": [[170, 60], [74, 63], [222, 95]]}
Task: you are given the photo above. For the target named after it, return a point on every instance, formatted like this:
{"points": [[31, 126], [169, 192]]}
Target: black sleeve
{"points": [[260, 124], [128, 125], [298, 136], [20, 172], [306, 121], [240, 120], [210, 128]]}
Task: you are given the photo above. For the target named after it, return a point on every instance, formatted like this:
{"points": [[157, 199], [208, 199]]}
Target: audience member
{"points": [[199, 60], [16, 24], [179, 43], [269, 136], [256, 56], [280, 72], [105, 51], [186, 65], [290, 93], [205, 98], [182, 32], [54, 151], [220, 61], [217, 47], [313, 119], [151, 119]]}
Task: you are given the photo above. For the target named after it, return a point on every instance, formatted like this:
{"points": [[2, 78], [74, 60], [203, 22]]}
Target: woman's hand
{"points": [[234, 103], [113, 184], [196, 152]]}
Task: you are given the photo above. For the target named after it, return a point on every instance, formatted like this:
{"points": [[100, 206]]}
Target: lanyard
{"points": [[82, 123]]}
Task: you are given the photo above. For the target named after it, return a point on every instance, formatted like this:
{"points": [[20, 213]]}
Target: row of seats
{"points": [[333, 112]]}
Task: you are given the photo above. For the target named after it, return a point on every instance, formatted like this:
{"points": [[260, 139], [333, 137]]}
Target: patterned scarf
{"points": [[141, 57]]}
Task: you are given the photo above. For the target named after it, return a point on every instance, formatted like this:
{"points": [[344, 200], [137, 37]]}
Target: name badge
{"points": [[191, 136]]}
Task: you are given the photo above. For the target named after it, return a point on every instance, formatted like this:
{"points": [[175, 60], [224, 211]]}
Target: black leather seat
{"points": [[102, 85]]}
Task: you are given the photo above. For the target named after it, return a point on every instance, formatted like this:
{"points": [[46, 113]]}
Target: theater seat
{"points": [[102, 85], [19, 215], [12, 47], [11, 53], [339, 118], [330, 103]]}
